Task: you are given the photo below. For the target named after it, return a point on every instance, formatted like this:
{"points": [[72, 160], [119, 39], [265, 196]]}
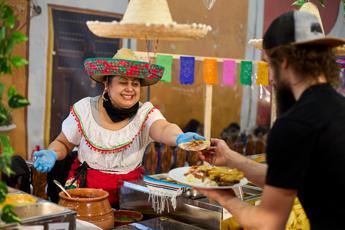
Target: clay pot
{"points": [[91, 205], [124, 217]]}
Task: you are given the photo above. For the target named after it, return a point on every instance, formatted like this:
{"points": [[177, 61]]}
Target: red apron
{"points": [[106, 181]]}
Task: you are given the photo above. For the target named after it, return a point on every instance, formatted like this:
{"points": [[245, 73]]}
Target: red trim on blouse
{"points": [[116, 150]]}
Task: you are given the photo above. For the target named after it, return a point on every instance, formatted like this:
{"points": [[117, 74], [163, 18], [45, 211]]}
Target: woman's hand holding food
{"points": [[188, 137], [45, 160]]}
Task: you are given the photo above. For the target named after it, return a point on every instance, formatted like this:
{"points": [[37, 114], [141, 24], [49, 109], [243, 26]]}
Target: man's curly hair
{"points": [[307, 61]]}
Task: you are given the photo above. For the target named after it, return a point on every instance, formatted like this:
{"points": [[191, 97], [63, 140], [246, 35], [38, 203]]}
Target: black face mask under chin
{"points": [[116, 114]]}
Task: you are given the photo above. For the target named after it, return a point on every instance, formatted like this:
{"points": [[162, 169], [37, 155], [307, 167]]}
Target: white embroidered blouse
{"points": [[118, 151]]}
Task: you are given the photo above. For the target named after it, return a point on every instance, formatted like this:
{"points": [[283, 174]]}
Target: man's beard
{"points": [[284, 96]]}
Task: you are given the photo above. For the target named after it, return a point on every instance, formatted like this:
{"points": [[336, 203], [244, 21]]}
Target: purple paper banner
{"points": [[187, 65]]}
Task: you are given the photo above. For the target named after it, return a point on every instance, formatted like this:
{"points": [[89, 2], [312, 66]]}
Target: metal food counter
{"points": [[192, 208], [158, 223]]}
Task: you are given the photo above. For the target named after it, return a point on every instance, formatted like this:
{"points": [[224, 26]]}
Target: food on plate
{"points": [[207, 175], [195, 145]]}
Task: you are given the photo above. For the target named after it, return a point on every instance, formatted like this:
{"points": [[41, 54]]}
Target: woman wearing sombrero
{"points": [[112, 130]]}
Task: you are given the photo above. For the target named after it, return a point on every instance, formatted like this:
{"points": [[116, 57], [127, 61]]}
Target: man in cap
{"points": [[305, 149]]}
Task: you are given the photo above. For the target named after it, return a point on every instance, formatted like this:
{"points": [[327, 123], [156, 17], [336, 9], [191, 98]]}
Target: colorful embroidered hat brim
{"points": [[98, 68]]}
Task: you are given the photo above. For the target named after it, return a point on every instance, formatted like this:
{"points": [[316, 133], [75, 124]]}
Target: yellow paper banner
{"points": [[210, 71], [262, 74]]}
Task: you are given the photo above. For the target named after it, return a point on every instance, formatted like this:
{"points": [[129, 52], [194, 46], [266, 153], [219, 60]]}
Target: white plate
{"points": [[186, 146], [177, 174]]}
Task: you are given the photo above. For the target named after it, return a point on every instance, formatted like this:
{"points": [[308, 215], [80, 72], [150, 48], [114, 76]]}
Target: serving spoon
{"points": [[62, 188]]}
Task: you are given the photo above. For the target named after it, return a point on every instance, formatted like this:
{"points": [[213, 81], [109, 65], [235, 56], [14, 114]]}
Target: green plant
{"points": [[9, 37], [300, 3]]}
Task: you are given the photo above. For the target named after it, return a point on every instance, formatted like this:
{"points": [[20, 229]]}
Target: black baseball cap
{"points": [[297, 28]]}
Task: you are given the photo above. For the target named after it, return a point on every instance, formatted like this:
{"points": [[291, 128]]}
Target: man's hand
{"points": [[217, 154]]}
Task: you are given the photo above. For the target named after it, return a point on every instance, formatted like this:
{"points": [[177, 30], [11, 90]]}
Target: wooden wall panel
{"points": [[228, 39], [18, 136]]}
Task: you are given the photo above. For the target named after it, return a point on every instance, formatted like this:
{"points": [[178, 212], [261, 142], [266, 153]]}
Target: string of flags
{"points": [[248, 72]]}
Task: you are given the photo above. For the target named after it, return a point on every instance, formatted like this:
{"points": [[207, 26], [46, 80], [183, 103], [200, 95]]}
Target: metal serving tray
{"points": [[43, 213]]}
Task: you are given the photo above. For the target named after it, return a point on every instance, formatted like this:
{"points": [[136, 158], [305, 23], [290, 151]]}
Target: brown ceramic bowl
{"points": [[123, 217], [91, 205]]}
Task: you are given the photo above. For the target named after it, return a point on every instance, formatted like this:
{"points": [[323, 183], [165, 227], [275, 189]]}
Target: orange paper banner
{"points": [[262, 74], [210, 71]]}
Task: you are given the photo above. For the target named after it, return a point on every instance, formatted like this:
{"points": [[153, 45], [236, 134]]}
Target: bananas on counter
{"points": [[298, 219]]}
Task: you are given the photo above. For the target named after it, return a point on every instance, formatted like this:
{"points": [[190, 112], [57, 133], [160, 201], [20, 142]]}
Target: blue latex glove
{"points": [[45, 160], [187, 137]]}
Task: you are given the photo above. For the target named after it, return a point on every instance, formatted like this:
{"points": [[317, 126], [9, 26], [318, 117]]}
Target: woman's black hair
{"points": [[108, 79]]}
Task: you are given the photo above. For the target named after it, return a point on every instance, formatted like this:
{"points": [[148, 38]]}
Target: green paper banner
{"points": [[166, 61], [246, 72]]}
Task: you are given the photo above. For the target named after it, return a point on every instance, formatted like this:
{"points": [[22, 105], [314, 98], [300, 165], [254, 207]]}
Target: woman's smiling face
{"points": [[124, 92]]}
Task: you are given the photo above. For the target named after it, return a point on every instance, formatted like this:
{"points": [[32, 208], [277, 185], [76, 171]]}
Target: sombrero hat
{"points": [[124, 64], [297, 28], [340, 51], [149, 20]]}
